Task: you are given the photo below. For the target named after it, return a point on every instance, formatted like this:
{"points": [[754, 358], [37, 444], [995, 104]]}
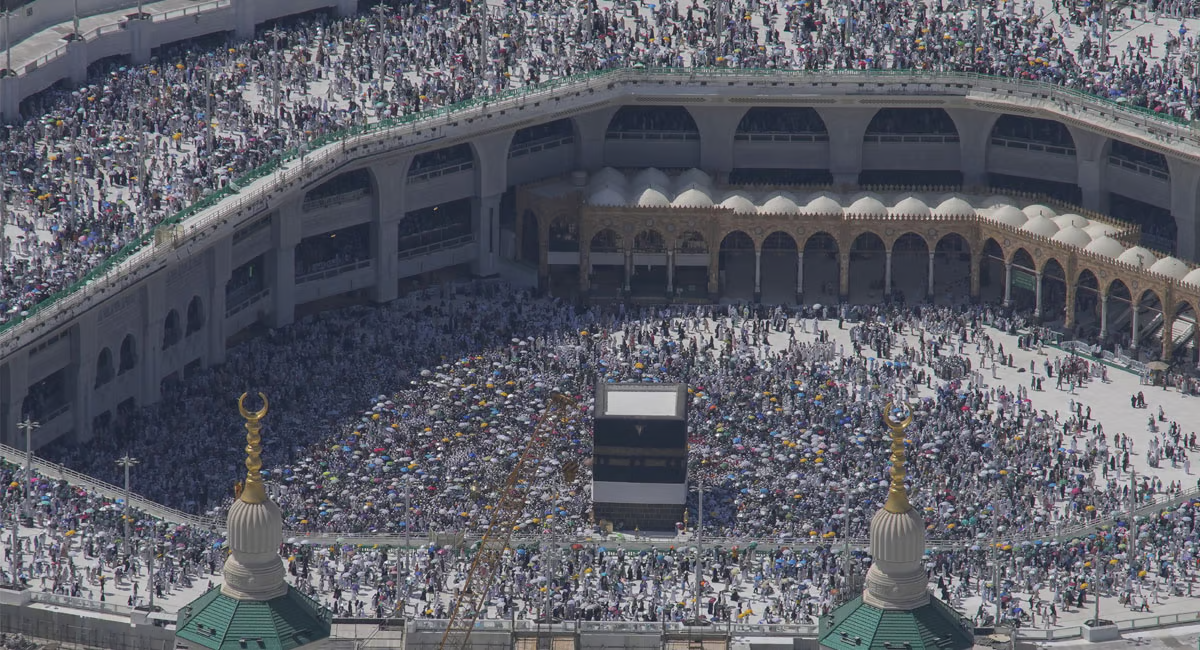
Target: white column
{"points": [[757, 271], [628, 268], [1103, 315], [1008, 284], [1037, 309], [487, 234], [930, 289], [887, 273], [1133, 307], [800, 272], [671, 272]]}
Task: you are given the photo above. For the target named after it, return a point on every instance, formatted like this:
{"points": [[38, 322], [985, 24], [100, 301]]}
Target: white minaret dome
{"points": [[254, 570]]}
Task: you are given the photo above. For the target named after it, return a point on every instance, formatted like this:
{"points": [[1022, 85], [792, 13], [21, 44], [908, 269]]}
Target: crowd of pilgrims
{"points": [[91, 169], [424, 404]]}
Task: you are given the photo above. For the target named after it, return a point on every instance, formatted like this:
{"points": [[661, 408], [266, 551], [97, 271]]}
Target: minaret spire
{"points": [[254, 491], [897, 501]]}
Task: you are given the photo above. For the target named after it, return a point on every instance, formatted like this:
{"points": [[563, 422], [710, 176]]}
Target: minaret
{"points": [[254, 570], [897, 578], [896, 610], [256, 607]]}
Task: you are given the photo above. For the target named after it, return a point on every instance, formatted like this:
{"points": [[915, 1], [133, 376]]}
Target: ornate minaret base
{"points": [[896, 601], [256, 602]]}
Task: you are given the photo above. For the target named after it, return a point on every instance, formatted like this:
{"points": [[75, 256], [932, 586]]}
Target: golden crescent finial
{"points": [[897, 501], [253, 415], [894, 424], [253, 491]]}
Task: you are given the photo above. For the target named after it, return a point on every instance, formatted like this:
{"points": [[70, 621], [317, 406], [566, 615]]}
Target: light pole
{"points": [[407, 513], [127, 462], [7, 40], [699, 543], [28, 426]]}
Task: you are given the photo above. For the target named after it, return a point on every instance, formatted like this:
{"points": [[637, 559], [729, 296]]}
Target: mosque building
{"points": [[896, 611], [256, 609]]}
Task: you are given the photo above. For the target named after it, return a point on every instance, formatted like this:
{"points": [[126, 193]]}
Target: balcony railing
{"points": [[1132, 165], [1031, 145], [332, 272], [335, 199], [911, 138]]}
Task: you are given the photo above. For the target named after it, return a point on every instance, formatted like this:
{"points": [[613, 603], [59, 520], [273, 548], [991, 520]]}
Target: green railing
{"points": [[611, 76]]}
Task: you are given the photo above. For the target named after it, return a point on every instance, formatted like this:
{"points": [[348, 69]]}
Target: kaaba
{"points": [[639, 457]]}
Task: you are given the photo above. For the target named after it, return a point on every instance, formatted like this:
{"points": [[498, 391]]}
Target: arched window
{"points": [[195, 315], [128, 355]]}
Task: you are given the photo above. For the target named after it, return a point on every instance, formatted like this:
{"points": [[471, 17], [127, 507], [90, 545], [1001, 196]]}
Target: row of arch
{"points": [[758, 121], [174, 331], [823, 250]]}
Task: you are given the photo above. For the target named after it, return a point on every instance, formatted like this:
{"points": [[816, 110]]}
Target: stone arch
{"points": [[1186, 331], [172, 330], [662, 119], [606, 262], [782, 120], [691, 242], [735, 265], [1087, 302], [195, 315], [530, 245], [606, 240], [867, 267], [1024, 259], [129, 355], [777, 268], [1137, 158], [1054, 290], [1035, 130], [349, 182], [951, 267], [547, 134], [911, 121], [692, 259], [649, 241], [105, 368], [1149, 308], [910, 267], [822, 269], [458, 157], [992, 274]]}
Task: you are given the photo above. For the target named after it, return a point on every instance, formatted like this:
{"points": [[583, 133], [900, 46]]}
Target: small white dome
{"points": [[1072, 236], [1138, 256], [1097, 229], [1106, 246], [652, 197], [911, 206], [693, 197], [1171, 267], [739, 202], [1192, 278], [1037, 209], [693, 177], [608, 196], [779, 203], [1041, 225], [823, 205], [651, 176], [954, 207], [868, 206], [1009, 215], [608, 177], [1064, 220]]}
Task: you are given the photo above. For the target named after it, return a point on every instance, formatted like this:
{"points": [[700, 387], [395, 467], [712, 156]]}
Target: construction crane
{"points": [[471, 603]]}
